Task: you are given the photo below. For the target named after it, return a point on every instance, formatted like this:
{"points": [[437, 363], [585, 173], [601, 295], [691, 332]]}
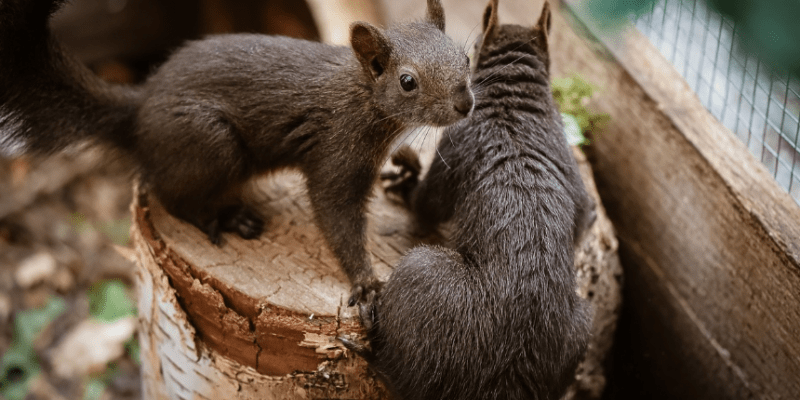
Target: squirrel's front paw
{"points": [[406, 179], [358, 346], [365, 296]]}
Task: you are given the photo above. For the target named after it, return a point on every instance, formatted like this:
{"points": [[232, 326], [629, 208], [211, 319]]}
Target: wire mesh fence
{"points": [[760, 105]]}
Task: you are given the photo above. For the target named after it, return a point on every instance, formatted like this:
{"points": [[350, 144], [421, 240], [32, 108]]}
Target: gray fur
{"points": [[226, 108], [497, 316]]}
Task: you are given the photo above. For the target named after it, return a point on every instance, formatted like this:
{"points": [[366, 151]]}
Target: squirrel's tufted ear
{"points": [[489, 23], [371, 48], [542, 28], [435, 14]]}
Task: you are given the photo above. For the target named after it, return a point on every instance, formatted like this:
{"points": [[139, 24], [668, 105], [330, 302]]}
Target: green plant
{"points": [[108, 302], [572, 95], [20, 363], [118, 231]]}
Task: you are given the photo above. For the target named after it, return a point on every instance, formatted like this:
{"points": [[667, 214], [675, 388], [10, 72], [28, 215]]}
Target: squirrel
{"points": [[497, 315], [226, 108]]}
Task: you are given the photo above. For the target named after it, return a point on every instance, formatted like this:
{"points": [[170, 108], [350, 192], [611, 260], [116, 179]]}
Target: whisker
{"points": [[393, 115], [513, 62], [447, 132], [467, 42], [440, 154], [391, 138], [426, 127], [494, 73], [402, 141], [425, 138]]}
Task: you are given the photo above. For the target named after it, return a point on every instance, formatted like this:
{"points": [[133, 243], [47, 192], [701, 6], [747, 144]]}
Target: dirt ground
{"points": [[62, 222]]}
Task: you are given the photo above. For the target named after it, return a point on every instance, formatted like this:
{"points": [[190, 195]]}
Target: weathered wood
{"points": [[201, 338], [712, 244]]}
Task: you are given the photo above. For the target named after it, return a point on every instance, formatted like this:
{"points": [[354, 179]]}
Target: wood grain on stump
{"points": [[259, 319]]}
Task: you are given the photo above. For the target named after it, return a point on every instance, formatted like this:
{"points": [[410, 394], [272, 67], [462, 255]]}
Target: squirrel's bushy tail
{"points": [[49, 101]]}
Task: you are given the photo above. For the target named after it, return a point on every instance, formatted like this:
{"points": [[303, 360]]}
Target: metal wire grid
{"points": [[761, 106]]}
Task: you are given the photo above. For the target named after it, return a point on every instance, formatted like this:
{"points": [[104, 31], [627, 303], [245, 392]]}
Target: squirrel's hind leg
{"points": [[193, 157], [241, 220], [214, 215]]}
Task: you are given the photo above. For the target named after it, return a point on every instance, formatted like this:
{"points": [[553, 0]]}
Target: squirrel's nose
{"points": [[463, 100]]}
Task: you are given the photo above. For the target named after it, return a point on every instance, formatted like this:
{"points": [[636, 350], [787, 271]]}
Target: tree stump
{"points": [[259, 319]]}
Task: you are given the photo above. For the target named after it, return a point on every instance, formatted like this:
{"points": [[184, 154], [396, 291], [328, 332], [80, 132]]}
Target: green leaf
{"points": [[19, 367], [132, 347], [96, 385], [109, 301], [572, 94], [94, 388], [118, 231], [19, 364], [28, 323]]}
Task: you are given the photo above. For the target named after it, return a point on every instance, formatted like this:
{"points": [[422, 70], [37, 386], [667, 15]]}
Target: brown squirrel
{"points": [[226, 108], [496, 316]]}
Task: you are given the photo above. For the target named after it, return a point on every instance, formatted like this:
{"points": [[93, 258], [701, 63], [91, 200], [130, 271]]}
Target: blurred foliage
{"points": [[118, 231], [96, 385], [109, 301], [132, 347], [767, 28], [20, 364], [572, 94]]}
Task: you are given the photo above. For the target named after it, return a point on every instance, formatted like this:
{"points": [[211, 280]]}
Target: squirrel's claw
{"points": [[360, 347], [241, 220], [366, 297], [364, 292], [367, 312]]}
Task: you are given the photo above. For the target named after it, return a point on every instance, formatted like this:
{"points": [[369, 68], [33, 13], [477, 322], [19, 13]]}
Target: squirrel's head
{"points": [[416, 72], [496, 36]]}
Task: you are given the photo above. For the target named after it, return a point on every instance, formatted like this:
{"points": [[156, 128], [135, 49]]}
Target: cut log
{"points": [[259, 319]]}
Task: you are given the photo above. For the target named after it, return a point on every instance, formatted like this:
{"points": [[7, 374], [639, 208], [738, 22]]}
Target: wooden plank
{"points": [[703, 224]]}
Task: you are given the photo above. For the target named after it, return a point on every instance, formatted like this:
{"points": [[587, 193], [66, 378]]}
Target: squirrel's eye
{"points": [[407, 82]]}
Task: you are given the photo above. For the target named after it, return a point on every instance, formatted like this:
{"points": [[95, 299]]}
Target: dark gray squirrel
{"points": [[497, 316], [226, 108]]}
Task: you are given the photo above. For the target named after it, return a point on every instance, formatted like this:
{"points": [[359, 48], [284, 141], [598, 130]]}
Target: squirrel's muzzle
{"points": [[463, 100]]}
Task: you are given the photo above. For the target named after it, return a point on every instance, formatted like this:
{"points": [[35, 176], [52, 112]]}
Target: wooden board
{"points": [[712, 244]]}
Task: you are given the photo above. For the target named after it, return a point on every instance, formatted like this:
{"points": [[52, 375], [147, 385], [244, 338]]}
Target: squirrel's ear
{"points": [[371, 48], [542, 29], [489, 23], [436, 14]]}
